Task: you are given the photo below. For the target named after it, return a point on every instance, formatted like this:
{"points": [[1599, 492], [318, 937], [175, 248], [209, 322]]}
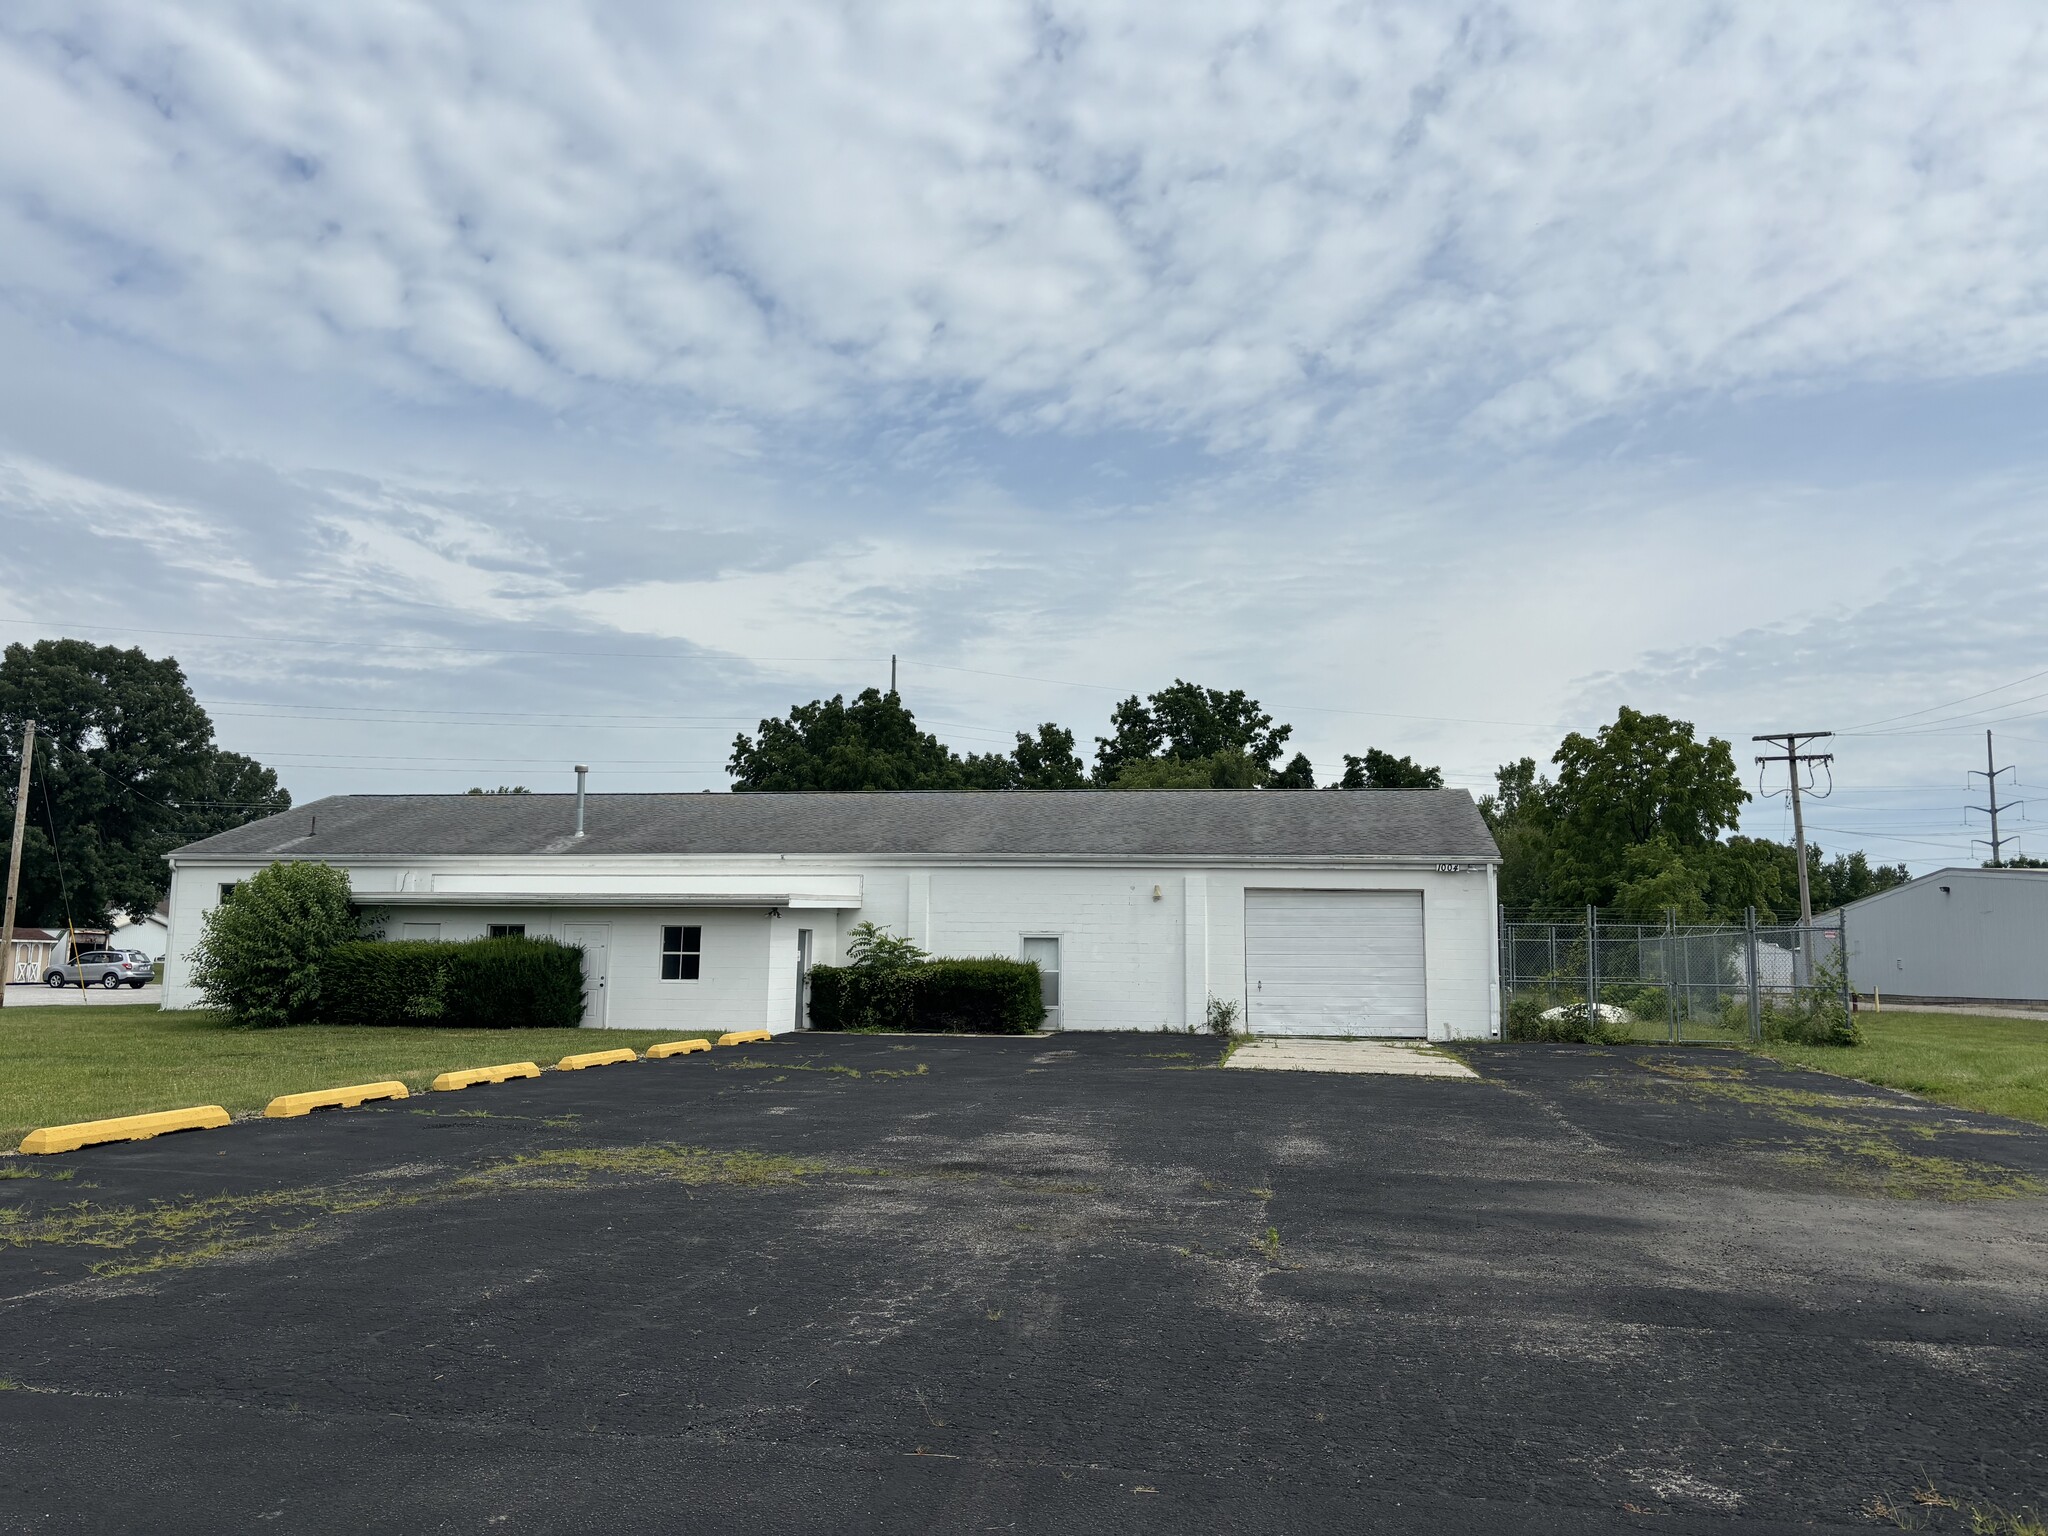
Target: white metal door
{"points": [[595, 940], [1046, 951], [1334, 963]]}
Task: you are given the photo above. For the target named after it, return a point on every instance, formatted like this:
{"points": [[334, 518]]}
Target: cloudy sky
{"points": [[461, 391]]}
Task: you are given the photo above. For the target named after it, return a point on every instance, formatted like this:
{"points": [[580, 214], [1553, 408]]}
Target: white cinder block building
{"points": [[1365, 912]]}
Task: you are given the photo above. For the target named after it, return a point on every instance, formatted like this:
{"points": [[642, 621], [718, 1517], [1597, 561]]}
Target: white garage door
{"points": [[1334, 963]]}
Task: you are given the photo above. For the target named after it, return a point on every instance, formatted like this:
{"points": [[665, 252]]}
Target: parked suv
{"points": [[109, 967]]}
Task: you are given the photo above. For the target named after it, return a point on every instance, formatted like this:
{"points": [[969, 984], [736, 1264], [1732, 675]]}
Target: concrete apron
{"points": [[1400, 1058]]}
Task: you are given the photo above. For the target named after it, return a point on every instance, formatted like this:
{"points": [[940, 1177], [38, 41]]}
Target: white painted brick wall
{"points": [[1129, 960]]}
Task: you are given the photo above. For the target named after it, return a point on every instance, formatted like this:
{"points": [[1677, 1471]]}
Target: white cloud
{"points": [[1443, 374], [1228, 219]]}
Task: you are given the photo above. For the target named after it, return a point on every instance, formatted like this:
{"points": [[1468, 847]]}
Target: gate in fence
{"points": [[1675, 982]]}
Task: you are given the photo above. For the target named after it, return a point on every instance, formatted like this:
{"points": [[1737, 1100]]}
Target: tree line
{"points": [[1639, 820], [125, 770], [1182, 737]]}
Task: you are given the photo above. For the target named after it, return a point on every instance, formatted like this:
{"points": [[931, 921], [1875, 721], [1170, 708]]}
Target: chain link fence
{"points": [[1727, 983]]}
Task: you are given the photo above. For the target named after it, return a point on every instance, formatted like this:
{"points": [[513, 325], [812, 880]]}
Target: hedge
{"points": [[515, 983], [987, 997]]}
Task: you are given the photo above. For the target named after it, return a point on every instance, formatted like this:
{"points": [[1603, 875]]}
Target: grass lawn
{"points": [[58, 1065], [1997, 1065]]}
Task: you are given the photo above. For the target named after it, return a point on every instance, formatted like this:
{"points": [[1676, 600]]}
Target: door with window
{"points": [[1045, 950], [595, 940]]}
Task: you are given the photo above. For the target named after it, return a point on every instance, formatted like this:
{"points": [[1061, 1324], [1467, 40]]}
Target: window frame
{"points": [[688, 957], [504, 930]]}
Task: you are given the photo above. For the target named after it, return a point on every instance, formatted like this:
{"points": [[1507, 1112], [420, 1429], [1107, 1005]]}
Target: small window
{"points": [[508, 930], [227, 890], [682, 951]]}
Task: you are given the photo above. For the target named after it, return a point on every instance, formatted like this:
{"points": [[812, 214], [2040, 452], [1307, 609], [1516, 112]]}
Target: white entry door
{"points": [[1334, 963], [595, 940]]}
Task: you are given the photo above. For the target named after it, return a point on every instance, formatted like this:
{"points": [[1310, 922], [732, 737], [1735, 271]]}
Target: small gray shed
{"points": [[1957, 935]]}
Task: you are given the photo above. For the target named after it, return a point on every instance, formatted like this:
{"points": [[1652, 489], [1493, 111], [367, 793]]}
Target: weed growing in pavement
{"points": [[1270, 1245], [922, 1070], [1858, 1160], [1857, 1147], [1262, 1194], [749, 1064], [574, 1167], [1905, 1512], [141, 1240]]}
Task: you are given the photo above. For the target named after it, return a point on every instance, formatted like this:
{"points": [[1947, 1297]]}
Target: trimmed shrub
{"points": [[516, 983], [513, 983], [990, 997], [259, 952]]}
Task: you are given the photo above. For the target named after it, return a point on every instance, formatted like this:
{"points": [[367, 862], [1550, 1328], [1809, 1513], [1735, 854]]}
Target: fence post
{"points": [[1670, 974], [1756, 1002], [1842, 954], [1592, 967], [1506, 961]]}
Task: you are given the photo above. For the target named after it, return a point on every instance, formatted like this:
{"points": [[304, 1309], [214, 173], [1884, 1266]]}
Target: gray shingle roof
{"points": [[1156, 824]]}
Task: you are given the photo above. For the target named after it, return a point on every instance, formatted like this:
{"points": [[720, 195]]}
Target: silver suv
{"points": [[109, 967]]}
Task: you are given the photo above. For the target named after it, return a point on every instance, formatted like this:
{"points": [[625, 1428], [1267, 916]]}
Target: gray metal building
{"points": [[1957, 935]]}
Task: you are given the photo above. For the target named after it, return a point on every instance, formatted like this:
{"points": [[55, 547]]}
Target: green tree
{"points": [[875, 743], [502, 789], [1383, 770], [259, 951], [1044, 761], [1635, 822], [1187, 723], [872, 743], [1850, 877], [1523, 820], [1222, 770], [126, 770], [1643, 779], [1299, 773]]}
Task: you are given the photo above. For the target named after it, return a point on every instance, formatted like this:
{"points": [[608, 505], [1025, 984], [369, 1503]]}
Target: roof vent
{"points": [[582, 773]]}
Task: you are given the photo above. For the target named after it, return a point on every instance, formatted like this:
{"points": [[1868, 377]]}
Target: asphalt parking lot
{"points": [[1060, 1284]]}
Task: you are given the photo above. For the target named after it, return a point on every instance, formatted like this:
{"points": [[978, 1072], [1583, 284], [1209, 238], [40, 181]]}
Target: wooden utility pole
{"points": [[28, 748], [1794, 759]]}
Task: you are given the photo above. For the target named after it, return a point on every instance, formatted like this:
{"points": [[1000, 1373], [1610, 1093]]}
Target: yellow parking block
{"points": [[90, 1133], [448, 1082], [745, 1037], [594, 1059], [670, 1048], [287, 1106]]}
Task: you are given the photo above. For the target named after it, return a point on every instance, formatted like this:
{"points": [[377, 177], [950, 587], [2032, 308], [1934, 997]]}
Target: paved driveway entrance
{"points": [[1051, 1285]]}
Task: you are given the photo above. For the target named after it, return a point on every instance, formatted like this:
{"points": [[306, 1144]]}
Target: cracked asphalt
{"points": [[1055, 1284]]}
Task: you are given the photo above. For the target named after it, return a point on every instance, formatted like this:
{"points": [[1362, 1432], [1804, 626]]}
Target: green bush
{"points": [[512, 983], [259, 952], [1575, 1024], [990, 996], [1815, 1014]]}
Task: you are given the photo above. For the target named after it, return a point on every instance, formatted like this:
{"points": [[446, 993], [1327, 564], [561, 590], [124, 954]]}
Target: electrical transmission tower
{"points": [[1989, 774]]}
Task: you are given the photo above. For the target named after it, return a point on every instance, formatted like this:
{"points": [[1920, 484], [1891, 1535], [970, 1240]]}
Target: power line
{"points": [[1950, 704]]}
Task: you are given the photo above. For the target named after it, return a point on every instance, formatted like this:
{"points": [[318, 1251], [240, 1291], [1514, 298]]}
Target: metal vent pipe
{"points": [[582, 773]]}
